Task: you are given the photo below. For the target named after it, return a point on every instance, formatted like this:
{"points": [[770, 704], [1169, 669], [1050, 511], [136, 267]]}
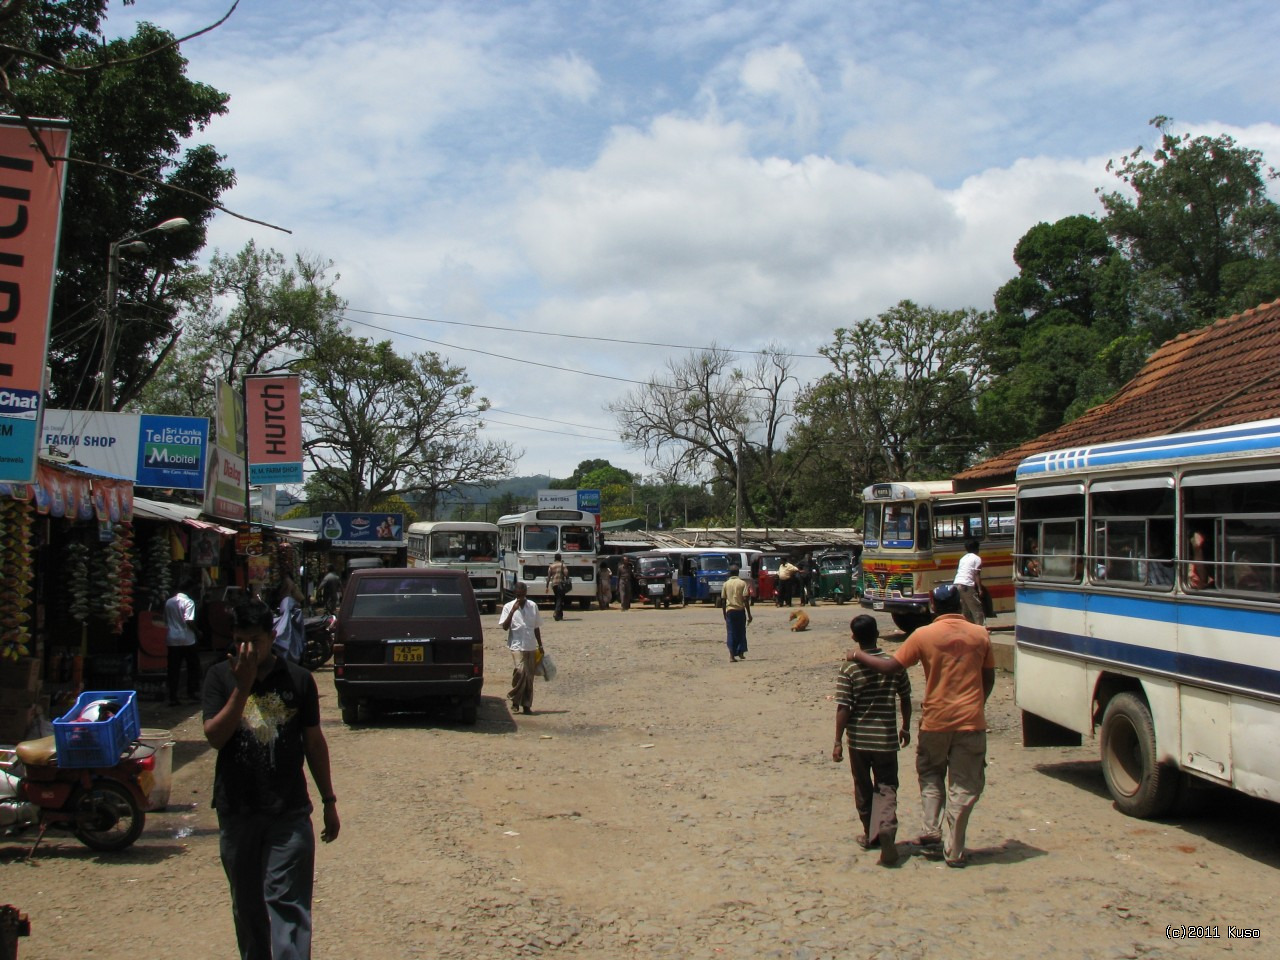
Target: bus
{"points": [[1147, 610], [914, 536], [528, 543], [460, 545]]}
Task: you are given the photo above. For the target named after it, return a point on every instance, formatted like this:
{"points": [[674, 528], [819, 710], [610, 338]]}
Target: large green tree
{"points": [[1198, 227], [1055, 325], [133, 164], [901, 399], [379, 425]]}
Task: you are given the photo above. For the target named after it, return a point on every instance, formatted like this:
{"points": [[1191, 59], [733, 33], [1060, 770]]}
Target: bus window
{"points": [[923, 538], [541, 539], [871, 524], [1233, 534], [899, 524], [1122, 544], [577, 539], [1000, 519], [957, 522], [1052, 523]]}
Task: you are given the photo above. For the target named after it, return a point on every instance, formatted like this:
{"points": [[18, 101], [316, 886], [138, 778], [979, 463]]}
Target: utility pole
{"points": [[737, 500]]}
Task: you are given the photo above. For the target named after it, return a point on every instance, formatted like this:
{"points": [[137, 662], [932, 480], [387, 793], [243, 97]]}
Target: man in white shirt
{"points": [[180, 639], [523, 623], [968, 581]]}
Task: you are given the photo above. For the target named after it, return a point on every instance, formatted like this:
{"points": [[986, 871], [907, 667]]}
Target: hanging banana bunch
{"points": [[157, 577], [77, 581], [16, 576], [126, 580]]}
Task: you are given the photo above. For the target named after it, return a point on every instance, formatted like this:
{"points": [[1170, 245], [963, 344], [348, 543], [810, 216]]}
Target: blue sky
{"points": [[746, 173]]}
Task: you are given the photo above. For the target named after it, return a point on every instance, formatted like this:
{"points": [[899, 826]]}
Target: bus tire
{"points": [[1141, 786], [908, 622]]}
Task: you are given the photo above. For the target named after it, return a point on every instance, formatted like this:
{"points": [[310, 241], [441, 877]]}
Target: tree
{"points": [[1198, 228], [277, 313], [1044, 344], [902, 396], [708, 413], [134, 114], [381, 425]]}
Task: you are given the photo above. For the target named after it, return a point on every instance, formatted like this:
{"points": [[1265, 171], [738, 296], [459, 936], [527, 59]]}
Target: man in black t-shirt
{"points": [[262, 715]]}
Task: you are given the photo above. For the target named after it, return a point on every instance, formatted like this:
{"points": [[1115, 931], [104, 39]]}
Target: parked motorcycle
{"points": [[318, 648], [103, 807]]}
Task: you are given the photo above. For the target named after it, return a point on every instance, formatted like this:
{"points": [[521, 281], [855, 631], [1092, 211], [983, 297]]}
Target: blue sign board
{"points": [[375, 530], [589, 500], [171, 451]]}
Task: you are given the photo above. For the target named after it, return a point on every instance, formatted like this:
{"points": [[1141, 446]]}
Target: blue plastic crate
{"points": [[100, 743]]}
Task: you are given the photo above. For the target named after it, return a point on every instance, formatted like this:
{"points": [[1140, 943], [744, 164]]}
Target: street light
{"points": [[129, 244]]}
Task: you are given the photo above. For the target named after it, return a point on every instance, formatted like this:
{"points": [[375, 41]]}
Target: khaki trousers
{"points": [[525, 662], [959, 758]]}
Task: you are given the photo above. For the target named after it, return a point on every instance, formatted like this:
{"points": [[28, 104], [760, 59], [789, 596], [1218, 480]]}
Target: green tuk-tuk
{"points": [[837, 576]]}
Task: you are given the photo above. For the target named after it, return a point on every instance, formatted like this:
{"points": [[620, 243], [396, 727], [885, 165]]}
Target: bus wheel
{"points": [[1142, 787], [907, 622]]}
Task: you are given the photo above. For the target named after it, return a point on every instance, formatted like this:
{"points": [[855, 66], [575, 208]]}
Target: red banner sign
{"points": [[273, 418]]}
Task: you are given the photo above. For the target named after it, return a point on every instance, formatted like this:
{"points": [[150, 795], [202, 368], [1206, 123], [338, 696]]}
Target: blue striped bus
{"points": [[1146, 580]]}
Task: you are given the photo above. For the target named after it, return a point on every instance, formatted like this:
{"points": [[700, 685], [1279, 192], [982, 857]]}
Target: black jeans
{"points": [[872, 769], [559, 591], [177, 657]]}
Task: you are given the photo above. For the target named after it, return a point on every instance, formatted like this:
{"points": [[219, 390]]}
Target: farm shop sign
{"points": [[273, 419], [152, 451], [31, 191], [383, 531]]}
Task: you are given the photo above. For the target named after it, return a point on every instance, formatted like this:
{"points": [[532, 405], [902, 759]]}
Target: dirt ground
{"points": [[664, 802]]}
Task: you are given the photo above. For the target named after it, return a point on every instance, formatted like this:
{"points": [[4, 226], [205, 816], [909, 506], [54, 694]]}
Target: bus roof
{"points": [[430, 526], [1241, 440], [926, 490]]}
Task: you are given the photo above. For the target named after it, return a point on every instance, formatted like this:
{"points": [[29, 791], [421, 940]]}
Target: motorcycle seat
{"points": [[37, 753]]}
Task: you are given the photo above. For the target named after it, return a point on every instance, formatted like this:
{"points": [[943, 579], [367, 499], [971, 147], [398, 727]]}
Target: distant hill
{"points": [[526, 488]]}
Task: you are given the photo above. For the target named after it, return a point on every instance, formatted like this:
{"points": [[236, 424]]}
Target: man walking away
{"points": [[865, 713], [969, 581], [787, 580], [262, 715], [523, 623], [180, 640], [558, 581], [737, 614], [959, 675]]}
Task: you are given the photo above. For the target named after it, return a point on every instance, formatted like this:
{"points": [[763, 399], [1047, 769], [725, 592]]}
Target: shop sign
{"points": [[273, 416], [380, 530], [31, 192], [150, 450]]}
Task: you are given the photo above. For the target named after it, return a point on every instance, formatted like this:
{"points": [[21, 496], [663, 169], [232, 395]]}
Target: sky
{"points": [[502, 182]]}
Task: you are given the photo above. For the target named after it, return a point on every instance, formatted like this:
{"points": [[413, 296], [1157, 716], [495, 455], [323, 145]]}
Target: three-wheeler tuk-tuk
{"points": [[654, 578], [702, 577], [837, 579], [765, 568]]}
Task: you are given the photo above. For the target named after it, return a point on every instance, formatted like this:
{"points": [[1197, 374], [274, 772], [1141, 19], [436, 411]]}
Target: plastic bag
{"points": [[546, 666]]}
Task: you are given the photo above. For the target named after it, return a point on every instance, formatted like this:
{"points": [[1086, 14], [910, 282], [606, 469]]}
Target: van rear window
{"points": [[394, 598]]}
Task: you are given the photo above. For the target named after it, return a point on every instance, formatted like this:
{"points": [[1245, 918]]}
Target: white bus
{"points": [[460, 545], [528, 543], [1147, 610]]}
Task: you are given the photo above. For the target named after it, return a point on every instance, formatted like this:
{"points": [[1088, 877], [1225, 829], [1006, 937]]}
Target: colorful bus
{"points": [[914, 535], [528, 543], [460, 545], [1147, 610]]}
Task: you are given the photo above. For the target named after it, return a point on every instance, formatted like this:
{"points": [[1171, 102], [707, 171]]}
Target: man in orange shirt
{"points": [[959, 675]]}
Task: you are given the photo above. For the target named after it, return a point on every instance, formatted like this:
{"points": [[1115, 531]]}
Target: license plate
{"points": [[878, 605], [407, 655], [656, 588], [717, 587]]}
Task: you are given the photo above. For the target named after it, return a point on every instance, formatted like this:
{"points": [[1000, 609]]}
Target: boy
{"points": [[864, 710]]}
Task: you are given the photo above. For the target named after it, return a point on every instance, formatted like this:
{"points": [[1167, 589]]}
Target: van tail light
{"points": [[477, 658]]}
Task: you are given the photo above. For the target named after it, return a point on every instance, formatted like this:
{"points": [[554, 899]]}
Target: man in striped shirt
{"points": [[865, 712]]}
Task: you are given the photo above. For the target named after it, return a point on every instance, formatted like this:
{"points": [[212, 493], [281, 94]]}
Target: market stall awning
{"points": [[176, 513]]}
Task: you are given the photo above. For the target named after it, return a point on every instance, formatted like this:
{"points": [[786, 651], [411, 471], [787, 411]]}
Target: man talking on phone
{"points": [[262, 715]]}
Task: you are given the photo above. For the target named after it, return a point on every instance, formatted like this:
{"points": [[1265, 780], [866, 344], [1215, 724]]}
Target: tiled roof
{"points": [[1225, 373]]}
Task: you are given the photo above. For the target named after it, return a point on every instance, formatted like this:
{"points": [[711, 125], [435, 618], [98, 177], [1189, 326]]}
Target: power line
{"points": [[565, 336]]}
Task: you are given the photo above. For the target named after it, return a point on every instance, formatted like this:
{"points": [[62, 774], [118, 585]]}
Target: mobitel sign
{"points": [[151, 450], [273, 419]]}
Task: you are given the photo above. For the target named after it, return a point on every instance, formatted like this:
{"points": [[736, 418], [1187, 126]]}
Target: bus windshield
{"points": [[464, 545], [541, 538]]}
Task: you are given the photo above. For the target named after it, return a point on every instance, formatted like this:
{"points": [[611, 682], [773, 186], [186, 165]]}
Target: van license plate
{"points": [[878, 605], [407, 655]]}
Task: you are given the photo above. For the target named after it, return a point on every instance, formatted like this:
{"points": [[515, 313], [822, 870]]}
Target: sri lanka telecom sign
{"points": [[30, 217], [273, 421], [151, 450]]}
